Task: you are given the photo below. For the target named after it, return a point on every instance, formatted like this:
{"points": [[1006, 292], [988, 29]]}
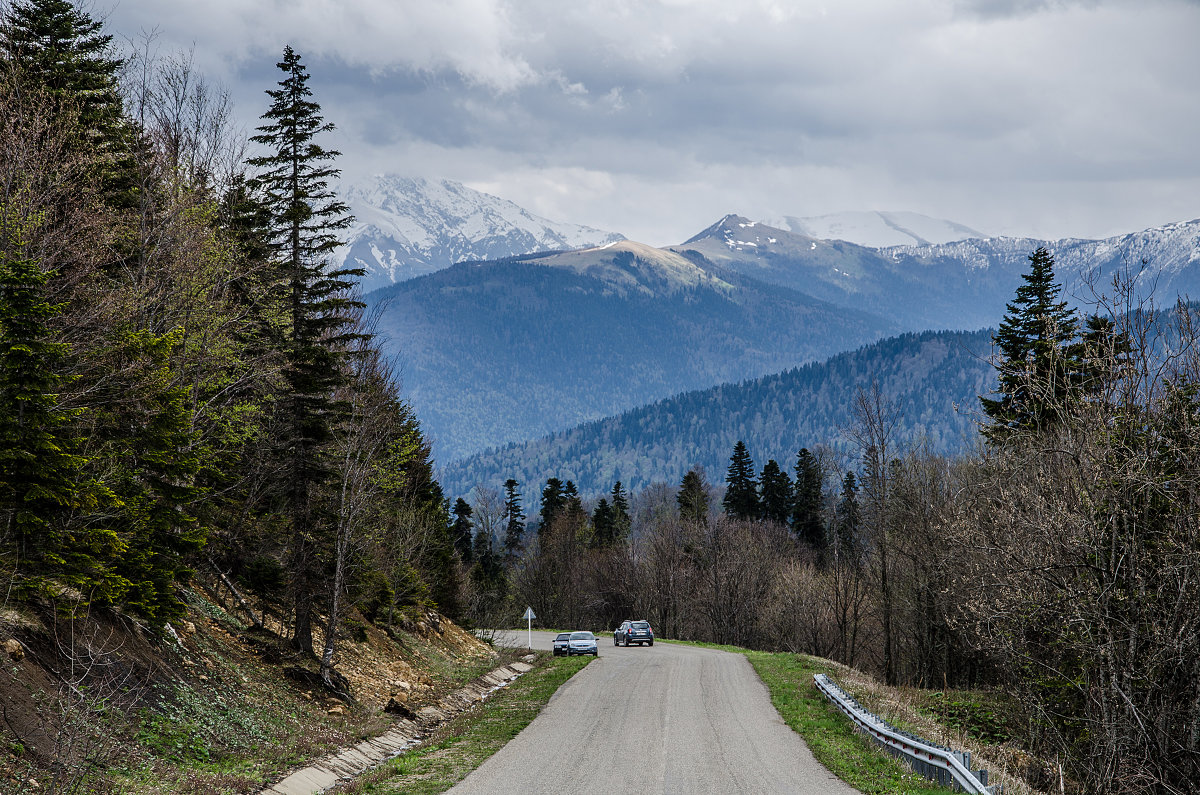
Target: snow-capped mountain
{"points": [[877, 229], [963, 284], [409, 227], [1166, 255]]}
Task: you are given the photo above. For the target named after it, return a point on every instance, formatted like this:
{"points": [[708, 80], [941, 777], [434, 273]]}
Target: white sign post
{"points": [[529, 617]]}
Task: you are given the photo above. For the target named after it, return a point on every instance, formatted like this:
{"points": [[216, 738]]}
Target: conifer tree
{"points": [[514, 528], [775, 493], [306, 217], [693, 497], [741, 492], [573, 506], [848, 520], [39, 465], [807, 521], [463, 529], [603, 526], [1037, 360], [1101, 353], [59, 47], [622, 522], [553, 503]]}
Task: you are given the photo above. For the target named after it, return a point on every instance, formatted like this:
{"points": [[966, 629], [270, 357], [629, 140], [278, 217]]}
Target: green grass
{"points": [[468, 740], [827, 732]]}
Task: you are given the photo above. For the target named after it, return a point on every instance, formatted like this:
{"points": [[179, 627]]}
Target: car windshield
{"points": [[563, 636], [641, 625], [582, 636]]}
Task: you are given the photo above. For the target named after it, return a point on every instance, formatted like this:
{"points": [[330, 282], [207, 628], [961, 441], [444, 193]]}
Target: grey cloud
{"points": [[965, 108]]}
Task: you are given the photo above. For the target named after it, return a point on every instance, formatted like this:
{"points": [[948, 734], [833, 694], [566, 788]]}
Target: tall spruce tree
{"points": [[573, 507], [463, 529], [692, 498], [741, 492], [554, 502], [848, 520], [807, 514], [514, 527], [775, 493], [59, 47], [603, 526], [39, 466], [622, 522], [306, 218], [1038, 363]]}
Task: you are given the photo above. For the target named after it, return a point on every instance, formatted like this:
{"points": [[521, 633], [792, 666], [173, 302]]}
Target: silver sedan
{"points": [[582, 642]]}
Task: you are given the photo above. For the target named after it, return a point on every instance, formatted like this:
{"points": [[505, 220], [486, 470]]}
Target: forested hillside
{"points": [[934, 379], [188, 392], [509, 350]]}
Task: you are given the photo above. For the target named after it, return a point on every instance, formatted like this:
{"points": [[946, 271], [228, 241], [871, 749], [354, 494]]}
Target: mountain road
{"points": [[667, 718]]}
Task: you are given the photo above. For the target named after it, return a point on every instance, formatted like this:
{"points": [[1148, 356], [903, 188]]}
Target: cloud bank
{"points": [[655, 117]]}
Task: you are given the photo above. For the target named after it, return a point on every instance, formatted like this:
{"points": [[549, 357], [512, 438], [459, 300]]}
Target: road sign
{"points": [[529, 617]]}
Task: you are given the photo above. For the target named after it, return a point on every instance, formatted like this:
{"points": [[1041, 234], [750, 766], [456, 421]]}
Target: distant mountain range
{"points": [[410, 227], [508, 326], [959, 285], [933, 379], [493, 352]]}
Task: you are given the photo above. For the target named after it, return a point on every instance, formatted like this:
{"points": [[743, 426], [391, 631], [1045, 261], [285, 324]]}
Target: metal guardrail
{"points": [[943, 765]]}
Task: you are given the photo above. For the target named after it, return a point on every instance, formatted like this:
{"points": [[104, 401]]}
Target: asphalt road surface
{"points": [[667, 718]]}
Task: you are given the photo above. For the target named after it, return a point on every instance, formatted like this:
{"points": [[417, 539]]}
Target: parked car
{"points": [[638, 632], [560, 643], [582, 642]]}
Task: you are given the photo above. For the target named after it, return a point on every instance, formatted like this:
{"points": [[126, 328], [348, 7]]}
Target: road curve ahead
{"points": [[667, 718]]}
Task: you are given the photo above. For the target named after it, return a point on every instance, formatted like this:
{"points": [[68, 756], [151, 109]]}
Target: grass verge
{"points": [[465, 742], [982, 722], [827, 732]]}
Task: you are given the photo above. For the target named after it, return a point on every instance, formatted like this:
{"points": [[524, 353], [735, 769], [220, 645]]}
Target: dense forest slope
{"points": [[505, 351], [933, 380]]}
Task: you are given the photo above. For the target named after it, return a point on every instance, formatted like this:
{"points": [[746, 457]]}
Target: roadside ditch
{"points": [[408, 731]]}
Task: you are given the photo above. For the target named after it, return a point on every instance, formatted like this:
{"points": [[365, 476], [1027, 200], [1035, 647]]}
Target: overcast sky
{"points": [[654, 118]]}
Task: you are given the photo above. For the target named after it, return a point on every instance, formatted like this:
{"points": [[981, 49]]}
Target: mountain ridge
{"points": [[406, 227], [505, 350]]}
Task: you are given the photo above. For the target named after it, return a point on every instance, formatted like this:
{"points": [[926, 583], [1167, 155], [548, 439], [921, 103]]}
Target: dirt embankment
{"points": [[212, 705]]}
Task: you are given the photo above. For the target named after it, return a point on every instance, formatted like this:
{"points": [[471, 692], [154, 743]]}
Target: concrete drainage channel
{"points": [[356, 760]]}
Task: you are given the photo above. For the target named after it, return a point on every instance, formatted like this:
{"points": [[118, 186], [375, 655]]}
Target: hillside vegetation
{"points": [[934, 380], [190, 399]]}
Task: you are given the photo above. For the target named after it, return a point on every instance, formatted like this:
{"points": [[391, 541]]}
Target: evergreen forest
{"points": [[188, 393]]}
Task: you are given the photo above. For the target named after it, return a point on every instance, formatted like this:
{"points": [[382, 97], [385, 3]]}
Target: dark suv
{"points": [[638, 632]]}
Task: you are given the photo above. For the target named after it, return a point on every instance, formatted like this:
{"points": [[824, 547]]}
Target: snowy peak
{"points": [[878, 229], [409, 227], [736, 237]]}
